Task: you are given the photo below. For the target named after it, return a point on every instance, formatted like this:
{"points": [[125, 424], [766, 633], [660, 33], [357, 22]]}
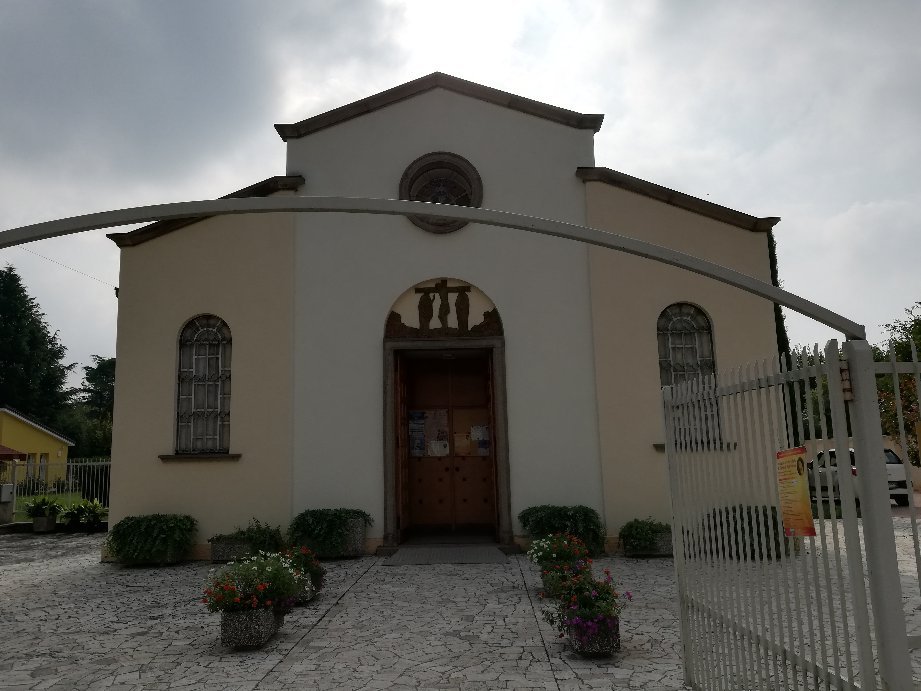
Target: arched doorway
{"points": [[446, 450]]}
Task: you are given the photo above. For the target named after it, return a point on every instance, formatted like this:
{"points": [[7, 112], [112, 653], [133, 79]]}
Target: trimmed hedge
{"points": [[581, 521], [152, 539]]}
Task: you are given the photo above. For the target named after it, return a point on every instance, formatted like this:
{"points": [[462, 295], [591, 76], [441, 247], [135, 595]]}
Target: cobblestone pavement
{"points": [[70, 622]]}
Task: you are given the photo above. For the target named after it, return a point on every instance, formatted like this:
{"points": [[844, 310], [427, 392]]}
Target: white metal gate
{"points": [[759, 609]]}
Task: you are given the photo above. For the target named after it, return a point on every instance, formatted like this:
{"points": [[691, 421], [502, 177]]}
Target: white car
{"points": [[825, 467]]}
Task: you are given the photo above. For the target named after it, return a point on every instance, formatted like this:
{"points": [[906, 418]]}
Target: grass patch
{"points": [[66, 499]]}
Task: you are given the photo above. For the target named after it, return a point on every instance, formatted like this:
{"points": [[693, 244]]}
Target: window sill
{"points": [[183, 457]]}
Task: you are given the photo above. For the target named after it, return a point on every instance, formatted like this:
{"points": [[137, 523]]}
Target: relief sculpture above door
{"points": [[443, 308]]}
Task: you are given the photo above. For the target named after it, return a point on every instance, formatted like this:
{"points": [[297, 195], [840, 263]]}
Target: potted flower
{"points": [[560, 557], [252, 597], [44, 513], [305, 562], [589, 614]]}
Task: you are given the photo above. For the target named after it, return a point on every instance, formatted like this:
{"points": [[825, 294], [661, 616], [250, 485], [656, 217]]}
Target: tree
{"points": [[88, 420], [902, 333], [98, 390], [32, 369]]}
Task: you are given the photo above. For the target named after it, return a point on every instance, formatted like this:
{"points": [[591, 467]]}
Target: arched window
{"points": [[203, 405], [685, 344]]}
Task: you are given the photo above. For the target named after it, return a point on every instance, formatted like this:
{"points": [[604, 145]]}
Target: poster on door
{"points": [[793, 484], [428, 432]]}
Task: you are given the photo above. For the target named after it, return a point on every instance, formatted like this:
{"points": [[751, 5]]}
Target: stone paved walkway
{"points": [[70, 622]]}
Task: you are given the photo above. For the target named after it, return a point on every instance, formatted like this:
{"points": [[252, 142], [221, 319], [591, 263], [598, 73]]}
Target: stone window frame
{"points": [[451, 166], [203, 391]]}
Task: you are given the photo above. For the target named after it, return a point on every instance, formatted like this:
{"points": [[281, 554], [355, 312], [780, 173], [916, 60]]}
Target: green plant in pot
{"points": [[88, 516], [44, 512], [560, 557], [256, 537], [252, 596], [588, 612], [152, 539], [581, 521], [304, 561], [646, 537], [331, 533]]}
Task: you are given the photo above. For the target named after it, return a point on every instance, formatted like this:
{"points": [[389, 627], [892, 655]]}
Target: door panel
{"points": [[449, 448]]}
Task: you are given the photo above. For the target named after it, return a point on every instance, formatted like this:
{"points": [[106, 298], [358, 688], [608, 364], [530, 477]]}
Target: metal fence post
{"points": [[879, 537]]}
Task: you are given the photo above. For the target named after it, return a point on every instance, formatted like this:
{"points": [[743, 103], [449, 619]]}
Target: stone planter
{"points": [[249, 629], [354, 545], [223, 551], [44, 524], [306, 595], [603, 643]]}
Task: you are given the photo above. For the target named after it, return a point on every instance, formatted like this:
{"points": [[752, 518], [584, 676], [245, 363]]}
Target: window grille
{"points": [[203, 406], [686, 354]]}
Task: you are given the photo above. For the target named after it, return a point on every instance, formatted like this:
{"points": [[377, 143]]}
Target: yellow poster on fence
{"points": [[793, 484]]}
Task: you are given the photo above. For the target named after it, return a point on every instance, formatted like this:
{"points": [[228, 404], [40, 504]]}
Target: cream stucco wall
{"points": [[350, 269], [628, 294], [241, 269]]}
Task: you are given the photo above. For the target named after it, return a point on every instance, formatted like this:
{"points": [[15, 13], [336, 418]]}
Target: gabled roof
{"points": [[35, 423], [439, 80], [264, 188], [679, 199]]}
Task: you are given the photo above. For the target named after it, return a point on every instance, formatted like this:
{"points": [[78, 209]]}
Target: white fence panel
{"points": [[761, 609]]}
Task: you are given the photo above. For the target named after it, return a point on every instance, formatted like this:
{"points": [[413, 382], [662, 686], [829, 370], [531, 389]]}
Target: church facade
{"points": [[441, 376]]}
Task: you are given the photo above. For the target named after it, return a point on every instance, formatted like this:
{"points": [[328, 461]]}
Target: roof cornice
{"points": [[439, 80], [679, 199], [263, 188]]}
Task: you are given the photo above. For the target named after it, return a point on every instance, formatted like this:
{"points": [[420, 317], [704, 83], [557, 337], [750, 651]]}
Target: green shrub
{"points": [[641, 535], [260, 537], [43, 507], [152, 539], [85, 515], [325, 531], [733, 532], [581, 521]]}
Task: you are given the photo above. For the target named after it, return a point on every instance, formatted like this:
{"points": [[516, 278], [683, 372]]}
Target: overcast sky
{"points": [[807, 111]]}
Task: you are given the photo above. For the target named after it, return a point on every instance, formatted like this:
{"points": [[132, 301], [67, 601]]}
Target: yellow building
{"points": [[44, 450]]}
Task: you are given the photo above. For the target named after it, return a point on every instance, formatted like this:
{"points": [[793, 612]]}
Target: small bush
{"points": [[152, 539], [325, 531], [43, 507], [641, 535], [581, 521], [86, 515], [260, 537]]}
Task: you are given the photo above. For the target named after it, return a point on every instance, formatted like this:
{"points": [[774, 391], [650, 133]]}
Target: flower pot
{"points": [[308, 592], [354, 545], [602, 641], [249, 628], [44, 524], [229, 550]]}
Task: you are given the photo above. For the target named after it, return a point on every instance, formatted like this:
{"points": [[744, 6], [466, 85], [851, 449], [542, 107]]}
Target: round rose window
{"points": [[441, 178]]}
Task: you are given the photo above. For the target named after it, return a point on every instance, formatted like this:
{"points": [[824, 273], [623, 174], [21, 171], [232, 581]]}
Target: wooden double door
{"points": [[445, 448]]}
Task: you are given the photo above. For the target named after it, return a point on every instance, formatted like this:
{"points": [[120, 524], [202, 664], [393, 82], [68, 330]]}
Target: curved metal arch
{"points": [[392, 207]]}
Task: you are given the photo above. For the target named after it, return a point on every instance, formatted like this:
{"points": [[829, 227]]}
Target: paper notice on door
{"points": [[479, 433], [438, 448], [462, 445]]}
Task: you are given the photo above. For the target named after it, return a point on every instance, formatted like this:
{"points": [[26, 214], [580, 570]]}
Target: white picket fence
{"points": [[761, 609], [69, 481]]}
